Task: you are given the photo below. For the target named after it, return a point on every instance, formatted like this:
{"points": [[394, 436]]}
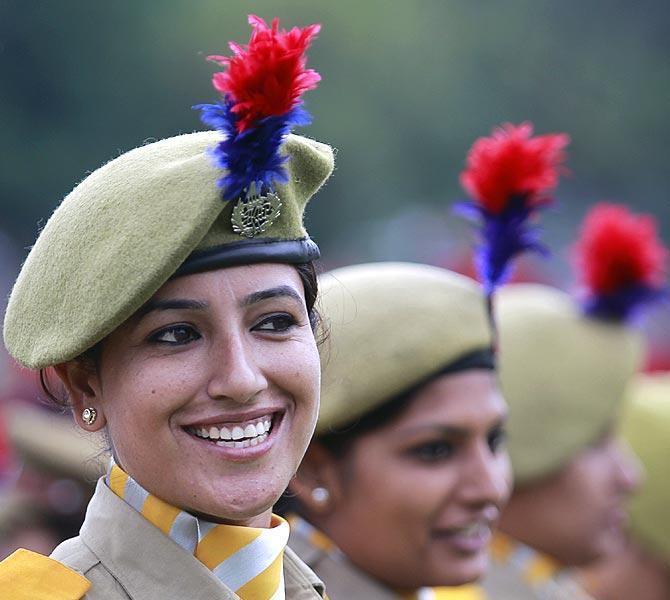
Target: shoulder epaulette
{"points": [[26, 575]]}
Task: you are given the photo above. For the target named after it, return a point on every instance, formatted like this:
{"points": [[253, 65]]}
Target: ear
{"points": [[82, 385], [321, 471]]}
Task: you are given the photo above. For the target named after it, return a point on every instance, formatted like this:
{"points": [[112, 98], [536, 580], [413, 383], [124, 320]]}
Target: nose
{"points": [[487, 478], [628, 470], [235, 373]]}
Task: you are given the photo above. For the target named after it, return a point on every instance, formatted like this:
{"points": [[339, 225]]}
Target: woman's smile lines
{"points": [[235, 435]]}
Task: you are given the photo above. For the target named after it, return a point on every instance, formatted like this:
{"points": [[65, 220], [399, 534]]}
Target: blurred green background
{"points": [[407, 87]]}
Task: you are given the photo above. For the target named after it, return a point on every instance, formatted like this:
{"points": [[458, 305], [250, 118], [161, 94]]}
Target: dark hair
{"points": [[91, 357], [340, 440]]}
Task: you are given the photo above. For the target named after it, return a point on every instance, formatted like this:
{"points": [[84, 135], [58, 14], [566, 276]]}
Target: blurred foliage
{"points": [[407, 86]]}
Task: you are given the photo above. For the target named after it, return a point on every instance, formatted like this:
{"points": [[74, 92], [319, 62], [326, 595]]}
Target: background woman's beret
{"points": [[392, 326], [646, 427], [563, 375]]}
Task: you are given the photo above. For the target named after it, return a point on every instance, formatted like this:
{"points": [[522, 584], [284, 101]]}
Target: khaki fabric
{"points": [[126, 558], [342, 579], [646, 427], [125, 229], [504, 582], [563, 376], [517, 572], [391, 326]]}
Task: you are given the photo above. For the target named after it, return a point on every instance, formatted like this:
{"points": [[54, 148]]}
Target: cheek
{"points": [[143, 398], [296, 369], [388, 487], [506, 475]]}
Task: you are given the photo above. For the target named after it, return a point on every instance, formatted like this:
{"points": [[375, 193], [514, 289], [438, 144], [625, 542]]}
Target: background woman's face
{"points": [[421, 494], [578, 515], [210, 391]]}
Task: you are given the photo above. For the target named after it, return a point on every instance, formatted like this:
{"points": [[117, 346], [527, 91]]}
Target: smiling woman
{"points": [[407, 473], [179, 317]]}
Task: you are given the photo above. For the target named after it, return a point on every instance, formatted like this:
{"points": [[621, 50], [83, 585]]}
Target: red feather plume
{"points": [[619, 250], [267, 76], [510, 163]]}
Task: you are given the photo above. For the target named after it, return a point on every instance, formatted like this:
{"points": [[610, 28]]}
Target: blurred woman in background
{"points": [[564, 368], [641, 568], [408, 472]]}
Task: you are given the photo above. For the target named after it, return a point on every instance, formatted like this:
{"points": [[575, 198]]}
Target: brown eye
{"points": [[176, 335], [496, 439], [433, 451], [276, 323]]}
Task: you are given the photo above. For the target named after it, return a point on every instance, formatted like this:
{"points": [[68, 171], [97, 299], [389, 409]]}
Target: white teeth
{"points": [[242, 443], [253, 431], [474, 529]]}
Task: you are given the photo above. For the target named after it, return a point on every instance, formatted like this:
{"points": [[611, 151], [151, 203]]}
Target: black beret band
{"points": [[247, 252]]}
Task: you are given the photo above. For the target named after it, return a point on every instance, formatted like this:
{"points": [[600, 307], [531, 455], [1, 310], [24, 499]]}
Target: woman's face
{"points": [[210, 391], [418, 497], [578, 515]]}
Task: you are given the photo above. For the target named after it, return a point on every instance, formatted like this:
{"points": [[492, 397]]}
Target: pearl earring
{"points": [[89, 415], [320, 495]]}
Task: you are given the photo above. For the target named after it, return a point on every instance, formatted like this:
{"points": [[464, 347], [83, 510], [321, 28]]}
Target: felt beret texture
{"points": [[563, 376], [646, 427], [391, 326], [125, 230]]}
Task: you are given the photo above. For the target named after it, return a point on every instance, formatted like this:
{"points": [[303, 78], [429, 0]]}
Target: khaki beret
{"points": [[391, 326], [131, 225], [563, 376], [646, 427]]}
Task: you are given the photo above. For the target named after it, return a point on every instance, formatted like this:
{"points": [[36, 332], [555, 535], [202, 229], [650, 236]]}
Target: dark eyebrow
{"points": [[452, 431], [172, 304], [282, 290]]}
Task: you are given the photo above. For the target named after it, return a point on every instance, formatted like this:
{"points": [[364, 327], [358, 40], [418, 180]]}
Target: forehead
{"points": [[468, 399], [232, 281]]}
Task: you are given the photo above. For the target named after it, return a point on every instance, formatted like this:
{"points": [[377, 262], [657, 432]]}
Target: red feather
{"points": [[512, 163], [267, 76], [618, 249], [5, 450]]}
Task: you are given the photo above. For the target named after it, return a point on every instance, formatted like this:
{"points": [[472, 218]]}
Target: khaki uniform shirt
{"points": [[126, 558], [345, 581], [518, 572]]}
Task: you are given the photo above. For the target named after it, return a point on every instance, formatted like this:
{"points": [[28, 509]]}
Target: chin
{"points": [[461, 571], [240, 506]]}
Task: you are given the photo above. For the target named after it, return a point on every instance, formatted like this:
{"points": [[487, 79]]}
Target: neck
{"points": [[264, 520], [525, 520], [631, 573]]}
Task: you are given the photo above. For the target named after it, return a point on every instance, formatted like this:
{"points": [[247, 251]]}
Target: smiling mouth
{"points": [[470, 538], [244, 434]]}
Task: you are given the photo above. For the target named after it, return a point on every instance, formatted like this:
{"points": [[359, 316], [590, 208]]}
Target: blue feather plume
{"points": [[252, 156], [502, 236]]}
